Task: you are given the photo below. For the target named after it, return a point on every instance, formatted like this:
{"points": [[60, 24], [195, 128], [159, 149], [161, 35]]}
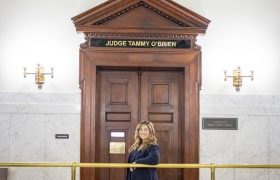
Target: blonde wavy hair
{"points": [[138, 142]]}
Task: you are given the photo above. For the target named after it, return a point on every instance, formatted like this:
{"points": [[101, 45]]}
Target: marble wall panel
{"points": [[216, 146], [58, 174], [39, 98], [27, 144], [27, 137], [274, 146], [23, 173], [62, 150], [4, 137], [254, 142], [28, 123], [251, 142], [276, 101], [39, 103]]}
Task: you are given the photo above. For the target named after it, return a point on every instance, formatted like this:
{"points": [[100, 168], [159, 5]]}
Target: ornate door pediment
{"points": [[141, 16]]}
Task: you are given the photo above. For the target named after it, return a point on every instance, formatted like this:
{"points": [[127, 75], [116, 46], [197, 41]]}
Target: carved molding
{"points": [[139, 35], [195, 46], [145, 5], [85, 44]]}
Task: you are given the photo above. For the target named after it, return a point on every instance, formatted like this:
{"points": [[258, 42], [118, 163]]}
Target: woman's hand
{"points": [[132, 168]]}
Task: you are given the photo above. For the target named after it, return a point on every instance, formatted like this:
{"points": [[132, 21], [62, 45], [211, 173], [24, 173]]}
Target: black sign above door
{"points": [[140, 43]]}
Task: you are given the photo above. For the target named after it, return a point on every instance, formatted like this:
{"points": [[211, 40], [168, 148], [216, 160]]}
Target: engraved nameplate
{"points": [[220, 123], [117, 148]]}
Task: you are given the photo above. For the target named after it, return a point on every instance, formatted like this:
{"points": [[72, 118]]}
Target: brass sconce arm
{"points": [[39, 75], [237, 77]]}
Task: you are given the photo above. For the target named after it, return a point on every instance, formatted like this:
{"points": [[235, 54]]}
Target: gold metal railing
{"points": [[75, 165]]}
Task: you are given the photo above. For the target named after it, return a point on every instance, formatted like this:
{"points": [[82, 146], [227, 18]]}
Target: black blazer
{"points": [[151, 156]]}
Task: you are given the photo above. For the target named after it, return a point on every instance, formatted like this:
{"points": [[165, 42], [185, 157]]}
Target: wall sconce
{"points": [[237, 78], [39, 75]]}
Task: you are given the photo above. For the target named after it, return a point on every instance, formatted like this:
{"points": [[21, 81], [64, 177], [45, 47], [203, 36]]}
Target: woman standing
{"points": [[144, 150]]}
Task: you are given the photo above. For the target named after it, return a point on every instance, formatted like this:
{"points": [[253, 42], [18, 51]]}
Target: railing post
{"points": [[213, 167], [73, 171]]}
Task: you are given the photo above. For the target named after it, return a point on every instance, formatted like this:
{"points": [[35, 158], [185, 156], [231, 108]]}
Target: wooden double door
{"points": [[126, 96]]}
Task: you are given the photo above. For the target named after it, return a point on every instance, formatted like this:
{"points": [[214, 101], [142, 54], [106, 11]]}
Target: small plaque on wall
{"points": [[219, 123], [117, 148], [61, 136]]}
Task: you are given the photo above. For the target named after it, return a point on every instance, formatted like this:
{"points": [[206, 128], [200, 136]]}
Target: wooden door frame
{"points": [[190, 60]]}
